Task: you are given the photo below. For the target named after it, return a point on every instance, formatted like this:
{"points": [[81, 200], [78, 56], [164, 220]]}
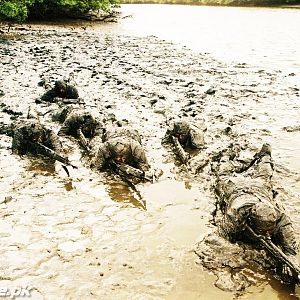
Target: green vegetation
{"points": [[20, 10]]}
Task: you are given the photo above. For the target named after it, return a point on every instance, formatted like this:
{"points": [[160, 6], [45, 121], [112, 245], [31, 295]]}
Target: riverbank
{"points": [[215, 3], [86, 236]]}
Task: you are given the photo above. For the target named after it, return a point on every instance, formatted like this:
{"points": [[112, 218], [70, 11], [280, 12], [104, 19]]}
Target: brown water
{"points": [[266, 37], [88, 236]]}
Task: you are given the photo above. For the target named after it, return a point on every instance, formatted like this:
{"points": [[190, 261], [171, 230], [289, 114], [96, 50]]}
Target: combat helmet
{"points": [[120, 150], [264, 217]]}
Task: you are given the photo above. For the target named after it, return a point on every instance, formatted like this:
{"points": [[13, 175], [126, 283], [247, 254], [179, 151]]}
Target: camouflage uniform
{"points": [[62, 89], [78, 119], [122, 145], [32, 131], [189, 136], [249, 199]]}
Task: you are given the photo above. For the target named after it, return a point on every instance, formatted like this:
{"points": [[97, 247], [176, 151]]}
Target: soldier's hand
{"points": [[148, 174], [285, 273], [158, 173]]}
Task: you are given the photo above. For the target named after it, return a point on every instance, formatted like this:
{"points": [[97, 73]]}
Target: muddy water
{"points": [[87, 236], [266, 37]]}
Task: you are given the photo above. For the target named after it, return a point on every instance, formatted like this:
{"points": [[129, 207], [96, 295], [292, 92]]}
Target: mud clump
{"points": [[236, 266]]}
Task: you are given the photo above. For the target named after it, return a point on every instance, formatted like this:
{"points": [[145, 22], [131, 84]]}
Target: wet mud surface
{"points": [[87, 236]]}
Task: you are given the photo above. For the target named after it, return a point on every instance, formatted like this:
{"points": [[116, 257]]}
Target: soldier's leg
{"points": [[265, 166]]}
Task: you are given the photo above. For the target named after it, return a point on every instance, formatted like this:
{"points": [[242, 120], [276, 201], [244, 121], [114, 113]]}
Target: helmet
{"points": [[120, 151], [60, 87], [181, 131], [32, 130], [71, 92], [264, 217], [181, 127]]}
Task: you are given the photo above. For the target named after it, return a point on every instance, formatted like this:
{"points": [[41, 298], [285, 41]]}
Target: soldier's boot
{"points": [[266, 149]]}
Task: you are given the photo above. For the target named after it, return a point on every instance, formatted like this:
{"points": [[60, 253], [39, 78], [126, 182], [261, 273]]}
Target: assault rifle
{"points": [[183, 156], [83, 140], [124, 169], [52, 154], [277, 253]]}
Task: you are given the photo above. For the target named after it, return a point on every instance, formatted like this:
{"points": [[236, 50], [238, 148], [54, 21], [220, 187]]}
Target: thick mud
{"points": [[88, 236]]}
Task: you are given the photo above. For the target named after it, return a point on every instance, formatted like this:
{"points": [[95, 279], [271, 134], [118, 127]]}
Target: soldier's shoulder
{"points": [[75, 112], [26, 123], [72, 92]]}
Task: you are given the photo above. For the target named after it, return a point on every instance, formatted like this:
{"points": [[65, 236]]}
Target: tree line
{"points": [[20, 10]]}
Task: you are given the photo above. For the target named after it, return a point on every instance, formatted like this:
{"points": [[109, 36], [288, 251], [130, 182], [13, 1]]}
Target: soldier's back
{"points": [[122, 132]]}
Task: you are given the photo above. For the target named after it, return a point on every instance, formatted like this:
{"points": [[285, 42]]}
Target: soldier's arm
{"points": [[228, 228], [61, 114], [54, 143], [168, 136], [70, 126], [99, 128], [284, 235], [139, 156], [234, 218], [49, 95], [17, 142], [101, 158], [71, 92], [197, 137], [7, 129]]}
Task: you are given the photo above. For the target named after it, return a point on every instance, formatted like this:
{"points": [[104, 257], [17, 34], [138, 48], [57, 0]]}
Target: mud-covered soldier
{"points": [[80, 124], [62, 89], [121, 146], [29, 133], [247, 199], [190, 137]]}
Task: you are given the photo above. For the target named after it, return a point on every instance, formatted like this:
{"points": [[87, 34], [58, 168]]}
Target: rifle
{"points": [[277, 253], [83, 140], [131, 171], [183, 156], [52, 154], [122, 171]]}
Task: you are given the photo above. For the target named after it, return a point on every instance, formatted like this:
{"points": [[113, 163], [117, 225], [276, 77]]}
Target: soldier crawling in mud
{"points": [[62, 89], [247, 201], [186, 138], [29, 133], [78, 123], [189, 136], [121, 146]]}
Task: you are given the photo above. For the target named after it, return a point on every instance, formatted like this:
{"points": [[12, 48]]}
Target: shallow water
{"points": [[266, 37]]}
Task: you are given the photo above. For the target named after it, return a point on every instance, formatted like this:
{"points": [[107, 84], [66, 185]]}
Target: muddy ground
{"points": [[87, 236]]}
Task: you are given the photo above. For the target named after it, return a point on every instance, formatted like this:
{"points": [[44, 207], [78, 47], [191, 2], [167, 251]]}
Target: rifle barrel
{"points": [[52, 154], [276, 252]]}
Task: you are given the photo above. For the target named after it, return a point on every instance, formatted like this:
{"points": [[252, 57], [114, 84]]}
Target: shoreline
{"points": [[195, 3]]}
